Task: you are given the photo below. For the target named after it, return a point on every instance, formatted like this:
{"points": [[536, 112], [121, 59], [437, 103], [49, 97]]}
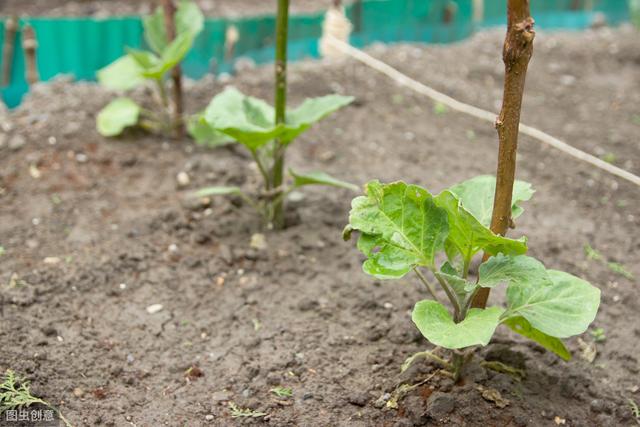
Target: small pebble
{"points": [[154, 308], [183, 179]]}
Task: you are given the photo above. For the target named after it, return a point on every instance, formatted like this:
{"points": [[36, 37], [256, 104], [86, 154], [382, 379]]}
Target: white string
{"points": [[479, 113]]}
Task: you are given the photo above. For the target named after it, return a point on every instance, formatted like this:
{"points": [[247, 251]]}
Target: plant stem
{"points": [[277, 171], [451, 295], [427, 284], [176, 72], [518, 48]]}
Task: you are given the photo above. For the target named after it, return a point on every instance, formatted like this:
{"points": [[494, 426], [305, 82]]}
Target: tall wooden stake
{"points": [[30, 46], [277, 173], [10, 30], [176, 73], [518, 48]]}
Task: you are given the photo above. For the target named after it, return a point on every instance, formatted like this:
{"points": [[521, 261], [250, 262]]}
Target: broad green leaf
{"points": [[117, 115], [477, 194], [403, 223], [171, 56], [246, 119], [188, 18], [155, 32], [562, 308], [436, 324], [517, 270], [319, 178], [309, 112], [204, 134], [143, 58], [467, 236], [216, 191], [251, 121], [524, 328], [122, 74]]}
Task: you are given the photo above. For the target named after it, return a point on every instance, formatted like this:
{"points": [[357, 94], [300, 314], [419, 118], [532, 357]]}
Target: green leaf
{"points": [[460, 286], [251, 121], [311, 111], [246, 119], [403, 223], [561, 308], [477, 194], [516, 270], [143, 58], [436, 324], [320, 178], [117, 115], [467, 236], [524, 328], [171, 56], [216, 191], [122, 74], [155, 32], [204, 134], [188, 18]]}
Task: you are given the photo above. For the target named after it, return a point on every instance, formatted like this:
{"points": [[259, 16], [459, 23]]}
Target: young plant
{"points": [[404, 228], [267, 132], [15, 394], [141, 67]]}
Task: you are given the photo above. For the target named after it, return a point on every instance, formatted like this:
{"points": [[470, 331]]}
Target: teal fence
{"points": [[81, 46]]}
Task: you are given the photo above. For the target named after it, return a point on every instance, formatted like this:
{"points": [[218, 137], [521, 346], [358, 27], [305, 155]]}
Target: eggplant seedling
{"points": [[142, 67], [268, 131], [404, 228]]}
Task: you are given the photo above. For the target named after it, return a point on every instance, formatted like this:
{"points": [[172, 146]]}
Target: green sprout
{"points": [[282, 391], [15, 394], [237, 412]]}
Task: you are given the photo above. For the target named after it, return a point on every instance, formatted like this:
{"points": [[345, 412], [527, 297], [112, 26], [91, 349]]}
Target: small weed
{"points": [[634, 409], [620, 269], [256, 324], [592, 253], [15, 393], [55, 199], [471, 135], [609, 158], [237, 412], [2, 250], [440, 109], [598, 334], [282, 391]]}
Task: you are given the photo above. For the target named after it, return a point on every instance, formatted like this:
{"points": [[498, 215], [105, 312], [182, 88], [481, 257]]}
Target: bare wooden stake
{"points": [[176, 73], [30, 46], [10, 30], [518, 48]]}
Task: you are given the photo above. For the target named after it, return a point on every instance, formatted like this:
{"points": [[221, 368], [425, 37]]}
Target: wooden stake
{"points": [[10, 30], [176, 73], [30, 46], [518, 48]]}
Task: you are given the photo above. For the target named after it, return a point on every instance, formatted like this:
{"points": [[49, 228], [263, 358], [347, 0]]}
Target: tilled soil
{"points": [[102, 8], [95, 231]]}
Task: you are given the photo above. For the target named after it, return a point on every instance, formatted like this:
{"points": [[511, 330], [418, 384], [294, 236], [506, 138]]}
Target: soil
{"points": [[102, 8], [95, 231]]}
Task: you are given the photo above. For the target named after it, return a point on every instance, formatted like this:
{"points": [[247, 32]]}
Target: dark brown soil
{"points": [[301, 314], [101, 8]]}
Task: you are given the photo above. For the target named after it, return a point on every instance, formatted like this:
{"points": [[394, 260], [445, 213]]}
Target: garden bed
{"points": [[96, 231]]}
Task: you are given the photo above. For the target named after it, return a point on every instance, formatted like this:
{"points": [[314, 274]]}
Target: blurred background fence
{"points": [[81, 46]]}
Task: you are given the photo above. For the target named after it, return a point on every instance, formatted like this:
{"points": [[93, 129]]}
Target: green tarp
{"points": [[81, 46]]}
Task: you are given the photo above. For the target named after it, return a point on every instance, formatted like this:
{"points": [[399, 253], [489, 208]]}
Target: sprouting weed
{"points": [[237, 412], [15, 393], [598, 334], [282, 391]]}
